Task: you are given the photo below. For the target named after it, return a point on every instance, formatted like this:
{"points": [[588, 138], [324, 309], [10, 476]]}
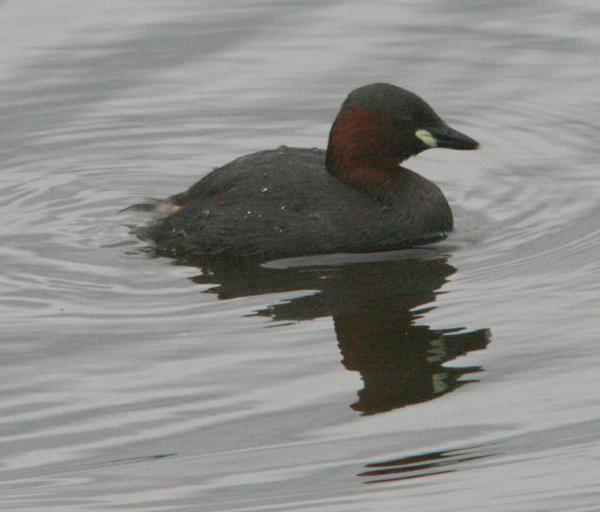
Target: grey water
{"points": [[459, 376]]}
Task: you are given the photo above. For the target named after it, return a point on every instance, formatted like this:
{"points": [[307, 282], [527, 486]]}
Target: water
{"points": [[460, 376]]}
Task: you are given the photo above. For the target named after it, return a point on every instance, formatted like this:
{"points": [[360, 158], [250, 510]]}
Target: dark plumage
{"points": [[288, 202]]}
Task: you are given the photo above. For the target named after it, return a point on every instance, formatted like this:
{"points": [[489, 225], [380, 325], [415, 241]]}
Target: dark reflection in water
{"points": [[426, 464], [375, 306]]}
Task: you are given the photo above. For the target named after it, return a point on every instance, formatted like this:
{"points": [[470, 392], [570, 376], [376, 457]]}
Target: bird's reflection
{"points": [[377, 308], [425, 464]]}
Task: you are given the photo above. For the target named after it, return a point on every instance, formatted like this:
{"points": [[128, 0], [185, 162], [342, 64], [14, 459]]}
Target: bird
{"points": [[355, 197]]}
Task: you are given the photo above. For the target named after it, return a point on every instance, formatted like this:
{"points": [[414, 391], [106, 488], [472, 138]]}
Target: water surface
{"points": [[461, 375]]}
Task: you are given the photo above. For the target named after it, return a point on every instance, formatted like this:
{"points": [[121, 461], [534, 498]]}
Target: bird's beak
{"points": [[445, 137]]}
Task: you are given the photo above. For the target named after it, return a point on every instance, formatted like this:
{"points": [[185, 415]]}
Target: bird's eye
{"points": [[405, 117]]}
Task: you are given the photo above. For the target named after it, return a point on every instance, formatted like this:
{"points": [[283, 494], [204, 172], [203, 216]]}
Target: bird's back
{"points": [[283, 202]]}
